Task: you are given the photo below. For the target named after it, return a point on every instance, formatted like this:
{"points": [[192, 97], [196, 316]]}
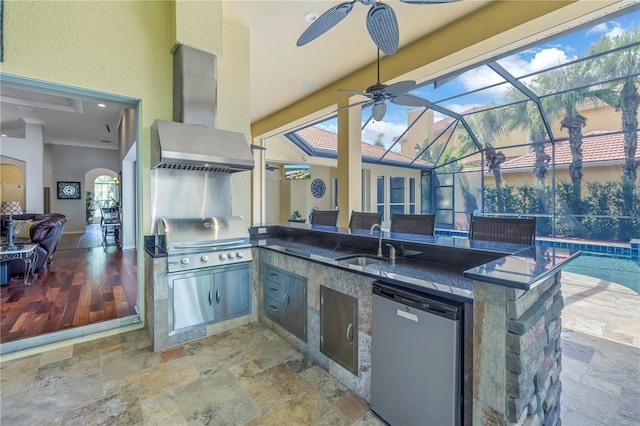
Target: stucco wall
{"points": [[124, 48]]}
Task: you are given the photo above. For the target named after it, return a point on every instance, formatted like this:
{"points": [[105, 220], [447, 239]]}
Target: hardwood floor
{"points": [[81, 286]]}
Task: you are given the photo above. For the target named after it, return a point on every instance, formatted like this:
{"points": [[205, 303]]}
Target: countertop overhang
{"points": [[442, 264]]}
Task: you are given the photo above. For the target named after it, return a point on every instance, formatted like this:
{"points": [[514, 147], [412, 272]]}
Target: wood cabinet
{"points": [[285, 300], [339, 328]]}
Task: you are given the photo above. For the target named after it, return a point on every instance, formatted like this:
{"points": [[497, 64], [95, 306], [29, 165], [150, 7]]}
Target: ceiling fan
{"points": [[381, 22], [381, 93]]}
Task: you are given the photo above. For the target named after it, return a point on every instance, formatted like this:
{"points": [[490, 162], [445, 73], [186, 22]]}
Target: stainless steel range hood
{"points": [[197, 147], [192, 141]]}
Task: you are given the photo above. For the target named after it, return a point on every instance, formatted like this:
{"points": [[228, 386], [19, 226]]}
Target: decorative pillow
{"points": [[25, 230]]}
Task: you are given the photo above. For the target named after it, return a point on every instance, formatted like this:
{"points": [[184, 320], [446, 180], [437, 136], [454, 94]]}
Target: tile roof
{"points": [[596, 146], [324, 140]]}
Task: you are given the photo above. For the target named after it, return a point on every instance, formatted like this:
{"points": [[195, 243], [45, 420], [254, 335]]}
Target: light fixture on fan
{"points": [[381, 93], [381, 22]]}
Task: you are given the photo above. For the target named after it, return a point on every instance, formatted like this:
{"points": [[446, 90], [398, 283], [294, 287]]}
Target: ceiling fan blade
{"points": [[383, 27], [400, 87], [379, 111], [325, 22], [355, 92], [409, 100], [428, 1], [352, 105]]}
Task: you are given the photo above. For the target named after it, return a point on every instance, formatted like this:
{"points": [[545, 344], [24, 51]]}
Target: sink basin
{"points": [[360, 260]]}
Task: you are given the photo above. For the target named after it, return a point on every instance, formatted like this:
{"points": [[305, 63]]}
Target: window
{"points": [[412, 196], [380, 192], [396, 195], [105, 190]]}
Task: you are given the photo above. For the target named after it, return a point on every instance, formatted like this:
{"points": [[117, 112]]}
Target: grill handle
{"points": [[205, 245]]}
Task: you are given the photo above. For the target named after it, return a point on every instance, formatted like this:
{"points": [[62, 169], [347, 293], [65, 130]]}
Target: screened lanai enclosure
{"points": [[549, 131]]}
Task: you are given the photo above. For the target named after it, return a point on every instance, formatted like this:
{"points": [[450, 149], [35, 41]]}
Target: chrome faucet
{"points": [[392, 254], [379, 237]]}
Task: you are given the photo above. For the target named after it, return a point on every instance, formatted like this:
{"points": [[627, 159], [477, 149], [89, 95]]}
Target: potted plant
{"points": [[296, 217], [90, 208]]}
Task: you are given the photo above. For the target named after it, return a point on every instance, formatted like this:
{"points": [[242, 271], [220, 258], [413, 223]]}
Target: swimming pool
{"points": [[619, 270]]}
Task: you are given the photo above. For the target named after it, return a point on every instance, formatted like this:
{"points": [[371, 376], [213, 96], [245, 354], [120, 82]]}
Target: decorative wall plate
{"points": [[318, 188], [68, 190]]}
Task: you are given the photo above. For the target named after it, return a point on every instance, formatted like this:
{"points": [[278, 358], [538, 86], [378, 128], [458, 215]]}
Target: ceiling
{"points": [[274, 29], [282, 73]]}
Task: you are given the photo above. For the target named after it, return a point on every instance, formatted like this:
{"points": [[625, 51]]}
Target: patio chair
{"points": [[110, 224], [362, 220], [503, 230], [423, 224], [324, 217]]}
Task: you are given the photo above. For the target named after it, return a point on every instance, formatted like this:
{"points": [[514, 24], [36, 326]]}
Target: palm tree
{"points": [[487, 126], [625, 64], [526, 115], [558, 82], [378, 141]]}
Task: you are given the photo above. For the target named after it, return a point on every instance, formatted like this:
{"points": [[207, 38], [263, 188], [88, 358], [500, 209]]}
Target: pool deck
{"points": [[600, 352]]}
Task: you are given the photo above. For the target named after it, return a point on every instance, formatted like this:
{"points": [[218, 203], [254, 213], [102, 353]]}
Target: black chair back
{"points": [[324, 217], [423, 224], [503, 230], [362, 220]]}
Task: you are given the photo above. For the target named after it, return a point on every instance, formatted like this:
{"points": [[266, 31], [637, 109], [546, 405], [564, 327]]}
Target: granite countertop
{"points": [[440, 265], [511, 265], [421, 276]]}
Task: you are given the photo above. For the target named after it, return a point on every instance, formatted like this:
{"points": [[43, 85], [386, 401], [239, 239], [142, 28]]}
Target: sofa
{"points": [[45, 231]]}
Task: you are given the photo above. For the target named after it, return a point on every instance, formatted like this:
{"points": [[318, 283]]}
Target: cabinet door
{"points": [[192, 300], [339, 328], [294, 300], [232, 289]]}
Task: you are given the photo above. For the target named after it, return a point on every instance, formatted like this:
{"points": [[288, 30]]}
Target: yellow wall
{"points": [[124, 48], [11, 173]]}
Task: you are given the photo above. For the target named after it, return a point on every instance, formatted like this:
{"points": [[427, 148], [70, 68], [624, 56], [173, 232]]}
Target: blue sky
{"points": [[545, 55]]}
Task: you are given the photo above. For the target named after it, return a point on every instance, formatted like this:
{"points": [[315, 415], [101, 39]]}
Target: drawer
{"points": [[273, 309], [272, 289], [273, 274]]}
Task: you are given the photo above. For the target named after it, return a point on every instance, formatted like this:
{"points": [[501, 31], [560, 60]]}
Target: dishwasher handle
{"points": [[449, 309]]}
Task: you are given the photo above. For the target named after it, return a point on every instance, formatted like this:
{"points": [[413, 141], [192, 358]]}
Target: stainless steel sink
{"points": [[360, 260]]}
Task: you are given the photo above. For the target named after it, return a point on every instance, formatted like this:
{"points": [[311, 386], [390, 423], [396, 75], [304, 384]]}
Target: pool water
{"points": [[622, 271]]}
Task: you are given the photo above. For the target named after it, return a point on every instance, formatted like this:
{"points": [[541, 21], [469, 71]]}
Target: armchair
{"points": [[45, 232]]}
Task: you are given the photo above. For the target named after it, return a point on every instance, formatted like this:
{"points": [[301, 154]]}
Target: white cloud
{"points": [[598, 29], [333, 128], [542, 59], [460, 108], [480, 77], [615, 31], [390, 130]]}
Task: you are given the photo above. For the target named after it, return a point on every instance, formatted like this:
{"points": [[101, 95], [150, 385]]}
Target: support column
{"points": [[349, 162], [258, 185]]}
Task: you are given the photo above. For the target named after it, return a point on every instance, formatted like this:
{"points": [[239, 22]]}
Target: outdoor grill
{"points": [[208, 270], [195, 243]]}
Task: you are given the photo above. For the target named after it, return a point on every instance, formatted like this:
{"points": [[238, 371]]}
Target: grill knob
{"points": [[184, 261], [230, 255], [239, 255], [204, 259], [222, 257]]}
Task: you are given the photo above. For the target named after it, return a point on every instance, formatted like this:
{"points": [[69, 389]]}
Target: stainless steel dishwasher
{"points": [[416, 358]]}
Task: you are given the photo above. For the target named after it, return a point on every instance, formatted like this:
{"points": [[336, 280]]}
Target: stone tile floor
{"points": [[600, 353], [252, 376], [246, 376]]}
